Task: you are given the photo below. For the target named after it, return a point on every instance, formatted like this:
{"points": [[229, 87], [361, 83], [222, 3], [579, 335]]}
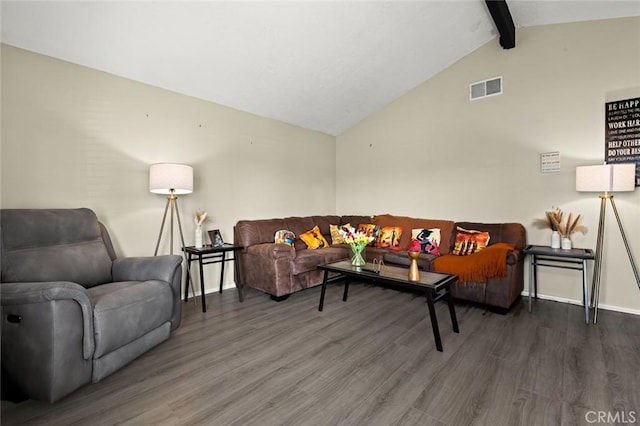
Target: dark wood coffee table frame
{"points": [[435, 286]]}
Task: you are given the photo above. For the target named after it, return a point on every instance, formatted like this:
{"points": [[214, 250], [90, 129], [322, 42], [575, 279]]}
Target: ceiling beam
{"points": [[502, 17]]}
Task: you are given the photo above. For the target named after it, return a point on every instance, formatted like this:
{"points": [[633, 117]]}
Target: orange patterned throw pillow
{"points": [[336, 237], [370, 230], [314, 239], [389, 237], [469, 241]]}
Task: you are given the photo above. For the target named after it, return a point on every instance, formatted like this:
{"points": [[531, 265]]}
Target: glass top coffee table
{"points": [[435, 286]]}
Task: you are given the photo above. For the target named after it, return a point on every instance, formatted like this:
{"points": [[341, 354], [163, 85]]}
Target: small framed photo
{"points": [[216, 238]]}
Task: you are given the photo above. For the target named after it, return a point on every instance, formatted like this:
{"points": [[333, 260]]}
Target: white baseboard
{"points": [[579, 303]]}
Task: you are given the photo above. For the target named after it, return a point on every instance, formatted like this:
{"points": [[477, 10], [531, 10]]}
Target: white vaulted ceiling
{"points": [[322, 65]]}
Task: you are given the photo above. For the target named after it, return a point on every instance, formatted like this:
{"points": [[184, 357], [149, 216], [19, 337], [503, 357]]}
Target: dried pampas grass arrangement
{"points": [[201, 216], [554, 220]]}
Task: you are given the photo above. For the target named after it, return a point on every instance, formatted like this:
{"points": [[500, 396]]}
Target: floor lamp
{"points": [[606, 179], [171, 179]]}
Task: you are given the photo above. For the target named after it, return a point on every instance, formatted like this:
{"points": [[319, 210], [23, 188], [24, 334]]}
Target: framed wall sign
{"points": [[550, 162], [622, 133]]}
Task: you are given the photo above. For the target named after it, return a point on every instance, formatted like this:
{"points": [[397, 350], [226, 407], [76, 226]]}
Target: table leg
{"points": [[238, 284], [222, 270], [585, 291], [186, 285], [204, 302], [346, 289], [452, 311], [434, 322], [535, 276], [531, 263], [324, 289]]}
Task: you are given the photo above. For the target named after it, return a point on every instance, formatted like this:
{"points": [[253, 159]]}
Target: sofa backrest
{"points": [[513, 233], [54, 245], [260, 231], [409, 223], [251, 232], [355, 220]]}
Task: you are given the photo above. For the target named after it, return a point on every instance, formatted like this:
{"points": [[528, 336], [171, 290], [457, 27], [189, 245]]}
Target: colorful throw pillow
{"points": [[469, 241], [314, 239], [284, 237], [389, 237], [370, 230], [429, 240], [336, 236]]}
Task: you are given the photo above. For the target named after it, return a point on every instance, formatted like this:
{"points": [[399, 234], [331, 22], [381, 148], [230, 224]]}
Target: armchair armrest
{"points": [[272, 250], [514, 257], [24, 293], [161, 268], [166, 268]]}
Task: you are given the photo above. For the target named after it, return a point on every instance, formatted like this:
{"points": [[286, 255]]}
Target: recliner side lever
{"points": [[14, 318]]}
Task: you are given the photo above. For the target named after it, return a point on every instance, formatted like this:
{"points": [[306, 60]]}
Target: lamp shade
{"points": [[165, 177], [606, 178]]}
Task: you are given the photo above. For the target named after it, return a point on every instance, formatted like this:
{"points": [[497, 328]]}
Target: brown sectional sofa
{"points": [[280, 270]]}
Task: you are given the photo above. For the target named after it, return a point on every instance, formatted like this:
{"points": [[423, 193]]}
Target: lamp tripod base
{"points": [[597, 269], [172, 206]]}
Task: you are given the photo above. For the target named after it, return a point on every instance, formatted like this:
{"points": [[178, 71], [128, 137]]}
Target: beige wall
{"points": [[433, 153], [73, 137]]}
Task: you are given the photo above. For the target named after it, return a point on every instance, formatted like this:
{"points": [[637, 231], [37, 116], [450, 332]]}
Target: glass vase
{"points": [[357, 259]]}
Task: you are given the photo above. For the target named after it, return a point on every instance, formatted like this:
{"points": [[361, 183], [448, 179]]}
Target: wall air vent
{"points": [[482, 89]]}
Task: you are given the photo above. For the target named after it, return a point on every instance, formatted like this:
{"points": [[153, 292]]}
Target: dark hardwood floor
{"points": [[369, 361]]}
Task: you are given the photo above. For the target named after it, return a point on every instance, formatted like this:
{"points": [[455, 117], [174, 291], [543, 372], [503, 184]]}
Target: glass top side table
{"points": [[575, 258], [212, 254]]}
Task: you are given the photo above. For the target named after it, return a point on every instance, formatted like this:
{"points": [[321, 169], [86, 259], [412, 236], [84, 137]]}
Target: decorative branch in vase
{"points": [[554, 220]]}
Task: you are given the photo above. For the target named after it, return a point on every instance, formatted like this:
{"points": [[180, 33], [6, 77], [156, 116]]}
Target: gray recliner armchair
{"points": [[73, 313]]}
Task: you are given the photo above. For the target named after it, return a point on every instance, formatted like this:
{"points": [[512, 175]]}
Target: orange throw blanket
{"points": [[478, 267]]}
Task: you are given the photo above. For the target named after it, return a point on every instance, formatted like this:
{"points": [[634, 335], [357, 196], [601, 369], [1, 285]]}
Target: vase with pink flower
{"points": [[414, 255]]}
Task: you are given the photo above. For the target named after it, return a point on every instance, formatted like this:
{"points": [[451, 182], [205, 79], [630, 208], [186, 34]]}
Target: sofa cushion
{"points": [[354, 221], [371, 253], [428, 240], [513, 233], [308, 260], [54, 245], [300, 225], [425, 261], [479, 266], [336, 236], [470, 241], [314, 239], [446, 228], [389, 237], [87, 263], [127, 310], [370, 230], [251, 232], [284, 237]]}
